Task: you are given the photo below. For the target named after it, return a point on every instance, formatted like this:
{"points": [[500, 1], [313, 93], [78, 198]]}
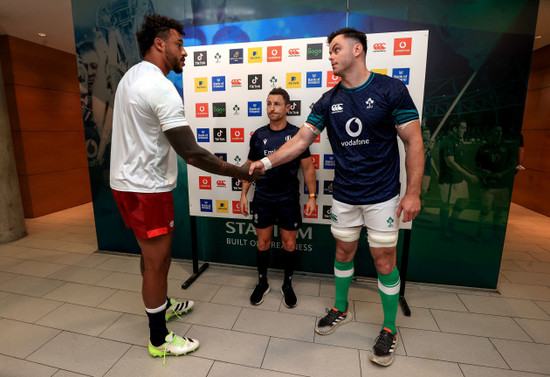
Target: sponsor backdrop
{"points": [[476, 70], [226, 87]]}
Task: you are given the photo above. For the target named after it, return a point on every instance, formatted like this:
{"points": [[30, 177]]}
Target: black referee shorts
{"points": [[287, 214]]}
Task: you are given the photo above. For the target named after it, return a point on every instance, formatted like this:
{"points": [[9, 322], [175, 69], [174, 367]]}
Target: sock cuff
{"points": [[157, 310], [344, 270], [391, 279], [343, 266], [389, 284]]}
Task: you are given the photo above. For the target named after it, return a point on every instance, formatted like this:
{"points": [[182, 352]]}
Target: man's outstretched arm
{"points": [[289, 151], [183, 141]]}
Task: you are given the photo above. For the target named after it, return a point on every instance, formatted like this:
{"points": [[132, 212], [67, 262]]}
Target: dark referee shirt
{"points": [[280, 183]]}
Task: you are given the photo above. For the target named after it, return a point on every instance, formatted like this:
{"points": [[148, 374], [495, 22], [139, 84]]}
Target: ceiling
{"points": [[25, 18]]}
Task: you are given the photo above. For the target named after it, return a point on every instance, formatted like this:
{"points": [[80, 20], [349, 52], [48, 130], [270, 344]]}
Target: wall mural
{"points": [[476, 81]]}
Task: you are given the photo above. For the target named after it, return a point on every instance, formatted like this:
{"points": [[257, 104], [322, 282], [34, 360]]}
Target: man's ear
{"points": [[357, 49], [158, 44]]}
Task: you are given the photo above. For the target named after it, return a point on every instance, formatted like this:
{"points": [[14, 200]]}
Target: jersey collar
{"points": [[362, 86]]}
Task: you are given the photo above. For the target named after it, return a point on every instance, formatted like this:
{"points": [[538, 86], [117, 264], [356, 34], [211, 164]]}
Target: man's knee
{"points": [[264, 244], [289, 245]]}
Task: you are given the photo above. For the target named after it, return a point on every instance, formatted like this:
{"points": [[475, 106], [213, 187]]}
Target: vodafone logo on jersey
{"points": [[402, 46], [237, 135], [205, 183], [236, 83], [294, 53], [332, 80], [379, 47], [275, 53], [201, 110]]}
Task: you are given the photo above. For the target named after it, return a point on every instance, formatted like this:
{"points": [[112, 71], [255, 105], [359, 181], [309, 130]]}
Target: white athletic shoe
{"points": [[175, 345], [178, 308]]}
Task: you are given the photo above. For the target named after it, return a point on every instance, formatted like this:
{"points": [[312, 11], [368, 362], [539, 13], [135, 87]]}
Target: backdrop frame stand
{"points": [[403, 272], [197, 271]]}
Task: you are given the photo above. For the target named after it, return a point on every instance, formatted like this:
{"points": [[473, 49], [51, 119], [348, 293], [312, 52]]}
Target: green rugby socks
{"points": [[343, 275], [389, 286]]}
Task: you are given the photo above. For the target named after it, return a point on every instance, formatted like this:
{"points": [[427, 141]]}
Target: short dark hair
{"points": [[280, 92], [155, 26], [350, 33]]}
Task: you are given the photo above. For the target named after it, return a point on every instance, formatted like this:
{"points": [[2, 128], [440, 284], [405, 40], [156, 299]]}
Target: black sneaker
{"points": [[384, 347], [289, 297], [333, 319], [257, 297]]}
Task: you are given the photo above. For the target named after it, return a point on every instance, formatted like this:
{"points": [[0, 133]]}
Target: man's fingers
{"points": [[399, 209]]}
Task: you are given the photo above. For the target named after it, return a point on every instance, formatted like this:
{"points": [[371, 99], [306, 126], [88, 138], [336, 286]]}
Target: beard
{"points": [[177, 68], [176, 65]]}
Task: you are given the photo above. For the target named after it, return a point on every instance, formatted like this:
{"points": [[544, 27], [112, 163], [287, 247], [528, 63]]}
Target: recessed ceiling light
{"points": [[41, 34], [538, 36]]}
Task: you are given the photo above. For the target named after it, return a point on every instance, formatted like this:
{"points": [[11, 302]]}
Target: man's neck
{"points": [[277, 125], [355, 77], [157, 60]]}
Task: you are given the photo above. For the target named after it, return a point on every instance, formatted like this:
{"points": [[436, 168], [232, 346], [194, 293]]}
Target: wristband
{"points": [[267, 163], [313, 196]]}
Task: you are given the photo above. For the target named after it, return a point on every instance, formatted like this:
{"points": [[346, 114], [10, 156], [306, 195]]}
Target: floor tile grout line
{"points": [[499, 353]]}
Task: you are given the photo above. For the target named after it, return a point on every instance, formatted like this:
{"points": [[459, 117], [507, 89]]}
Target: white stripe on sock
{"points": [[343, 274], [390, 291]]}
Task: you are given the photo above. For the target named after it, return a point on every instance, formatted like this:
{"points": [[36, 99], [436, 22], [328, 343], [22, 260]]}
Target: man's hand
{"points": [[310, 206], [244, 205], [410, 206], [256, 165], [250, 173]]}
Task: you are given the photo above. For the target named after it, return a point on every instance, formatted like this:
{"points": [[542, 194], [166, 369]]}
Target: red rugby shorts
{"points": [[147, 214]]}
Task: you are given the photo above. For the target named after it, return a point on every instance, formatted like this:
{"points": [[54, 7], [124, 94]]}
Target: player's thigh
{"points": [[264, 237], [289, 215], [345, 215], [382, 216], [288, 237], [263, 214], [156, 251]]}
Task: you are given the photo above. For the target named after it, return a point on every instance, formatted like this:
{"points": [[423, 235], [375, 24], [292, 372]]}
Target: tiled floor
{"points": [[67, 311]]}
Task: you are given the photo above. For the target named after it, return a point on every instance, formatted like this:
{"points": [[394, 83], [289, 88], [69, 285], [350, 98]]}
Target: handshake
{"points": [[251, 171], [256, 169]]}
